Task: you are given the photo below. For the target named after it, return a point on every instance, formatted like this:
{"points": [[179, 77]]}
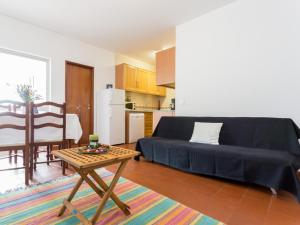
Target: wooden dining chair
{"points": [[12, 106], [10, 126], [50, 122], [4, 106]]}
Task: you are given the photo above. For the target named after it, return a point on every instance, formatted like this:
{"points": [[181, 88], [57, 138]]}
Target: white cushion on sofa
{"points": [[206, 133]]}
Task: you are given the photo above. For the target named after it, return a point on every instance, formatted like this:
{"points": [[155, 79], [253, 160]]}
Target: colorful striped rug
{"points": [[39, 205]]}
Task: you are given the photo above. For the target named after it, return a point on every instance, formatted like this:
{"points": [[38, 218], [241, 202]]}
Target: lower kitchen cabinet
{"points": [[148, 124]]}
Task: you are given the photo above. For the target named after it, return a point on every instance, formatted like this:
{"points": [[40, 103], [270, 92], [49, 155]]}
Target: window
{"points": [[17, 68]]}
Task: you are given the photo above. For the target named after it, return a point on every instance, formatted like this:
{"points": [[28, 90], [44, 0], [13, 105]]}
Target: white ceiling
{"points": [[135, 28]]}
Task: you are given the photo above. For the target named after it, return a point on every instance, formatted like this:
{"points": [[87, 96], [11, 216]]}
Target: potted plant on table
{"points": [[28, 94]]}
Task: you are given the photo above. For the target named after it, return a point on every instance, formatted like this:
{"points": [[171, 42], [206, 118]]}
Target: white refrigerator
{"points": [[111, 116]]}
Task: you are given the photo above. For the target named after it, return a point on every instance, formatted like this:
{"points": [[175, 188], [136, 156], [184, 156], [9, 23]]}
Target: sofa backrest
{"points": [[268, 133]]}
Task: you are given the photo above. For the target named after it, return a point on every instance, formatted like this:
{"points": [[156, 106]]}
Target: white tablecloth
{"points": [[14, 137]]}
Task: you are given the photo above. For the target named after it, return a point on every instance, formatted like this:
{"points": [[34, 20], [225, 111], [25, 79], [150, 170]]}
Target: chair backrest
{"points": [[10, 105], [4, 106], [14, 118], [34, 115]]}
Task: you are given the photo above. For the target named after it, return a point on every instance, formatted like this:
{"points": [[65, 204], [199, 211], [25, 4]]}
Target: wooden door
{"points": [[130, 77], [80, 96]]}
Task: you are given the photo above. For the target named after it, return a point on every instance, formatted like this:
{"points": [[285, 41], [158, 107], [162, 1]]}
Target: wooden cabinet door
{"points": [[165, 66], [130, 74], [161, 91], [148, 118], [142, 80], [151, 83], [79, 96]]}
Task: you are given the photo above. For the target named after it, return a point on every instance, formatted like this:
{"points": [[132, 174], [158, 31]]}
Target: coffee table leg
{"points": [[91, 184], [71, 196], [113, 196], [78, 214], [109, 191]]}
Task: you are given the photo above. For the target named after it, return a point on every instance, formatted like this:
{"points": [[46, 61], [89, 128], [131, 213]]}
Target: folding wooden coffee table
{"points": [[85, 165]]}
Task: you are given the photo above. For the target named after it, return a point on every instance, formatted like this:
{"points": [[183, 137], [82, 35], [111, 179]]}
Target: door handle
{"points": [[89, 107]]}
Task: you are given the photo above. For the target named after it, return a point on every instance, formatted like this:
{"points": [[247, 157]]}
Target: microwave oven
{"points": [[130, 105]]}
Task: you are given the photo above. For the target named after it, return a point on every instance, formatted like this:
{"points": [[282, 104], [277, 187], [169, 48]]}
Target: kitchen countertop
{"points": [[164, 110], [139, 110], [149, 110]]}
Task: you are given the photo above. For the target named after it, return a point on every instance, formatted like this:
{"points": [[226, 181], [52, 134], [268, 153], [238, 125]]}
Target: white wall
{"points": [[19, 36], [240, 60]]}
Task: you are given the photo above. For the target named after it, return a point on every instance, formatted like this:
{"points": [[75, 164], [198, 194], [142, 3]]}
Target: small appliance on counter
{"points": [[172, 105], [130, 105], [109, 86]]}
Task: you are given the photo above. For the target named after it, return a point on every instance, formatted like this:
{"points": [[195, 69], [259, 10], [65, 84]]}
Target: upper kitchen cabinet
{"points": [[126, 77], [131, 78], [161, 91], [153, 88], [151, 80], [165, 68], [141, 80]]}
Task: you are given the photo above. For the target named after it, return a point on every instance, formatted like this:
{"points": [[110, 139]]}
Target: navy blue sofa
{"points": [[263, 151]]}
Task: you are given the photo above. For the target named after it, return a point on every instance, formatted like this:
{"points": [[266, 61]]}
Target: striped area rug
{"points": [[39, 205]]}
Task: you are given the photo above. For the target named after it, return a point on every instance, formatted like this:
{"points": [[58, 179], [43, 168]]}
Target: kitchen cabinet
{"points": [[153, 88], [161, 91], [126, 77], [165, 67], [130, 77], [151, 83], [148, 117], [135, 79], [141, 80], [148, 124]]}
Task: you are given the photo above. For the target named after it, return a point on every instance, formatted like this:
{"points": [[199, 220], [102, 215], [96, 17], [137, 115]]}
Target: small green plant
{"points": [[27, 93]]}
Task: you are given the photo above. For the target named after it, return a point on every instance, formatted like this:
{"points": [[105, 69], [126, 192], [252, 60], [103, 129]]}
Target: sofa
{"points": [[263, 151]]}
